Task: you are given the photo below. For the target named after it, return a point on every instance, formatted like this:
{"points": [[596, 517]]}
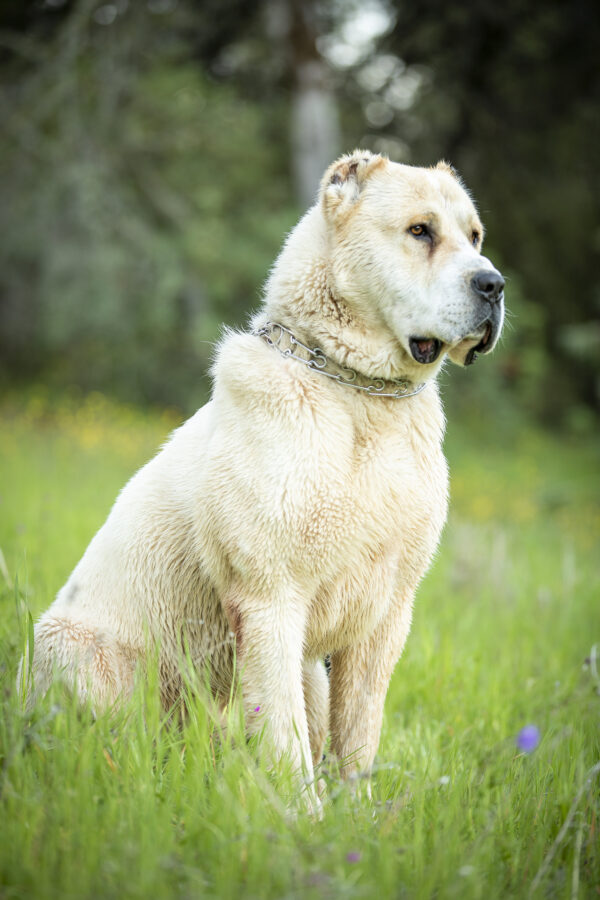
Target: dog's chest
{"points": [[373, 533], [333, 502]]}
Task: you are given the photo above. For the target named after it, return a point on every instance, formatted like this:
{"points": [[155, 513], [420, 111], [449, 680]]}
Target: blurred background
{"points": [[155, 152]]}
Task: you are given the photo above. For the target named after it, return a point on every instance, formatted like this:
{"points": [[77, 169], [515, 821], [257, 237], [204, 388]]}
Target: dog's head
{"points": [[405, 250]]}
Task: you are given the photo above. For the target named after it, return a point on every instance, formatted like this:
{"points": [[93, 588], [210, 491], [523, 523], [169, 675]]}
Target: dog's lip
{"points": [[487, 334], [482, 346], [425, 350]]}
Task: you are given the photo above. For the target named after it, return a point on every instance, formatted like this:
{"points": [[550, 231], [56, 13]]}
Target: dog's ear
{"points": [[345, 179], [447, 167]]}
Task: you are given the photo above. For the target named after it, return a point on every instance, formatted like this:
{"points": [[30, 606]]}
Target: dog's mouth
{"points": [[425, 350], [481, 346]]}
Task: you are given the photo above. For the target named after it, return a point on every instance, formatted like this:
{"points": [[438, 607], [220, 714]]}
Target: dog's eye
{"points": [[419, 231], [475, 238]]}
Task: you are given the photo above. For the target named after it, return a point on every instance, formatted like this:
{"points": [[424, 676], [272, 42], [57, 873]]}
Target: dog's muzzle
{"points": [[488, 287], [487, 313]]}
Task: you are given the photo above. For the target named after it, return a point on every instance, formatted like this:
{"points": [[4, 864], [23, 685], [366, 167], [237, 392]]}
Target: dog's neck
{"points": [[287, 344], [300, 295]]}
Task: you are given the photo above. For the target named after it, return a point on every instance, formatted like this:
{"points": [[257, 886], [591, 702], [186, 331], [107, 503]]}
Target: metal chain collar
{"points": [[273, 333]]}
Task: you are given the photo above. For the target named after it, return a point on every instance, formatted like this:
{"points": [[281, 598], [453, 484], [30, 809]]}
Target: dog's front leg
{"points": [[269, 641], [360, 675]]}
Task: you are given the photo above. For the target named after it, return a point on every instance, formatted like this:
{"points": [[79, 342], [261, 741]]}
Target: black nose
{"points": [[488, 284]]}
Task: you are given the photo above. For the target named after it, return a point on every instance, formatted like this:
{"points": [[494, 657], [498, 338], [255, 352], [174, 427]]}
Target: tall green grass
{"points": [[506, 633]]}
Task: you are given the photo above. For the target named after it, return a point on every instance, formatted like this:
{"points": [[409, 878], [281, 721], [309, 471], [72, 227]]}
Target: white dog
{"points": [[293, 516]]}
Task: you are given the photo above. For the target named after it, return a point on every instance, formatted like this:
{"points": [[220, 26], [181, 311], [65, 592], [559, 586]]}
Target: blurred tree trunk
{"points": [[315, 131]]}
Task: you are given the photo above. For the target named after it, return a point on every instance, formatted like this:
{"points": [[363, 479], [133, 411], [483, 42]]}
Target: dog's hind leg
{"points": [[87, 660], [316, 702]]}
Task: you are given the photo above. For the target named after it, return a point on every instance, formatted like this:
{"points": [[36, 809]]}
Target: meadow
{"points": [[506, 634]]}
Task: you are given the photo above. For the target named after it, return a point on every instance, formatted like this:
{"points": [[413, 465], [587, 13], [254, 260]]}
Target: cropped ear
{"points": [[444, 166], [344, 180], [449, 169]]}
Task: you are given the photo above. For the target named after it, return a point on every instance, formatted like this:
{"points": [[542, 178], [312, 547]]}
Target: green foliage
{"points": [[130, 217], [504, 624]]}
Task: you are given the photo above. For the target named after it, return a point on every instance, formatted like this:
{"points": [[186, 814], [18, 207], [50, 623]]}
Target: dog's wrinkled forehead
{"points": [[401, 196], [401, 190], [390, 192]]}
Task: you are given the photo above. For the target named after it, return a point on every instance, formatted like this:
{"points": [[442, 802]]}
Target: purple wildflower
{"points": [[353, 856], [256, 708], [528, 738]]}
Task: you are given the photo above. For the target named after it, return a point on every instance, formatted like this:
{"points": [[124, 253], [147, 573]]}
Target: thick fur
{"points": [[292, 516]]}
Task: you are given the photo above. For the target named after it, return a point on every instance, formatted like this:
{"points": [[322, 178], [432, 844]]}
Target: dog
{"points": [[293, 516]]}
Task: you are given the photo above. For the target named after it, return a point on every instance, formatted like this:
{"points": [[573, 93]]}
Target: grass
{"points": [[506, 633]]}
